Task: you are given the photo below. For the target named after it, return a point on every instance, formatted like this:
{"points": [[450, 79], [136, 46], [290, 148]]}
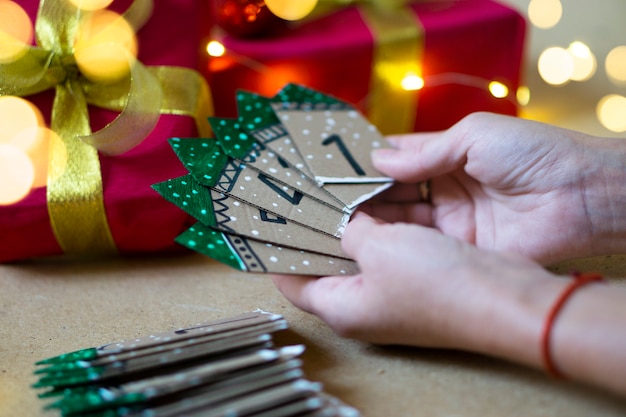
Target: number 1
{"points": [[345, 152]]}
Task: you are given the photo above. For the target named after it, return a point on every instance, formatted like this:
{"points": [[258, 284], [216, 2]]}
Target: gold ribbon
{"points": [[74, 191], [398, 51]]}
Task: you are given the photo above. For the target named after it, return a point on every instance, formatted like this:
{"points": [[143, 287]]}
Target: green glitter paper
{"points": [[203, 158], [212, 243], [234, 142], [190, 196]]}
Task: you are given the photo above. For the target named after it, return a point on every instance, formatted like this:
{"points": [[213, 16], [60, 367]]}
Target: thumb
{"points": [[420, 156]]}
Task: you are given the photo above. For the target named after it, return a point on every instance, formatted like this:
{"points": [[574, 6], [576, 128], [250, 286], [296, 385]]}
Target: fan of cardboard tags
{"points": [[274, 190], [228, 367]]}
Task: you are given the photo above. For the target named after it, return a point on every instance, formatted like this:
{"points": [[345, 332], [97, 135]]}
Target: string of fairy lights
{"points": [[24, 138], [409, 81]]}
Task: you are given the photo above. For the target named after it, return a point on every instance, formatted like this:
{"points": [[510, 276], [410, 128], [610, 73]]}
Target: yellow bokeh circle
{"points": [[556, 65], [545, 14], [16, 31], [611, 112], [91, 5], [19, 120], [584, 60], [105, 47], [290, 9], [17, 174], [615, 64]]}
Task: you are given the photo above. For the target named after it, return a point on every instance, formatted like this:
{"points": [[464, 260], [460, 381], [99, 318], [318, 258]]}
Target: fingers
{"points": [[404, 193], [428, 156], [294, 287], [398, 212], [327, 297], [420, 156], [352, 241]]}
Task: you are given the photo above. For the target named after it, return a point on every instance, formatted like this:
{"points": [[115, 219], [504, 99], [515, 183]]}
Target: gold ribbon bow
{"points": [[74, 190]]}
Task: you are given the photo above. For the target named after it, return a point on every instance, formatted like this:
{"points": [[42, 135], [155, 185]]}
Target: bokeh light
{"points": [[215, 49], [412, 82], [16, 32], [22, 128], [611, 112], [584, 60], [498, 90], [17, 174], [556, 65], [615, 65], [91, 5], [545, 14], [105, 47], [290, 9], [19, 121], [58, 169], [523, 95], [38, 151]]}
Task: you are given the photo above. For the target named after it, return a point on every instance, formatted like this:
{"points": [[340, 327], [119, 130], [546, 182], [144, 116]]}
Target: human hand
{"points": [[510, 184], [417, 287]]}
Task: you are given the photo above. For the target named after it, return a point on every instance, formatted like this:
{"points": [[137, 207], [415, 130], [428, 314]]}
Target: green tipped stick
{"points": [[78, 355]]}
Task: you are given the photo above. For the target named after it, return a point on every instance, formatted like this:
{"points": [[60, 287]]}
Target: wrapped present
{"points": [[413, 66], [111, 137]]}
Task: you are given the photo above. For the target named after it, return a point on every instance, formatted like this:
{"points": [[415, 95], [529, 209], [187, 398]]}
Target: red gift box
{"points": [[140, 221], [466, 44]]}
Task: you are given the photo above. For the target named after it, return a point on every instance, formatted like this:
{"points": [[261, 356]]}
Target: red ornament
{"points": [[246, 18]]}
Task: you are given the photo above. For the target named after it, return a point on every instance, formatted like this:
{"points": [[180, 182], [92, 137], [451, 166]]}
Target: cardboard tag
{"points": [[275, 189], [221, 368]]}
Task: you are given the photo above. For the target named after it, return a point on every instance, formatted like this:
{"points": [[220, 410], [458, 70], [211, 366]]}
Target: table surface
{"points": [[48, 308]]}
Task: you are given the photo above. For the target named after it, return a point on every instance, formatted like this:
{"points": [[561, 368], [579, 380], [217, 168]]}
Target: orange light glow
{"points": [[19, 120], [105, 47], [17, 174], [412, 82], [38, 151], [498, 90], [281, 75], [56, 171], [291, 10], [91, 5], [523, 95], [215, 49], [16, 31]]}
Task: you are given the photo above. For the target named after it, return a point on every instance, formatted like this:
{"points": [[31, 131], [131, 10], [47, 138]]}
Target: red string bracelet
{"points": [[579, 281]]}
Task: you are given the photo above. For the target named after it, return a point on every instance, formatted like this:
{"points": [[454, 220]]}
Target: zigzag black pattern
{"points": [[229, 175], [255, 152], [220, 209]]}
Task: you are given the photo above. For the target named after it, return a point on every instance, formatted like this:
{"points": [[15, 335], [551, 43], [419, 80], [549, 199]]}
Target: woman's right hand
{"points": [[512, 185]]}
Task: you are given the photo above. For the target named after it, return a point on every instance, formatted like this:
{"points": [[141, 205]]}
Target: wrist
{"points": [[604, 195], [507, 319]]}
